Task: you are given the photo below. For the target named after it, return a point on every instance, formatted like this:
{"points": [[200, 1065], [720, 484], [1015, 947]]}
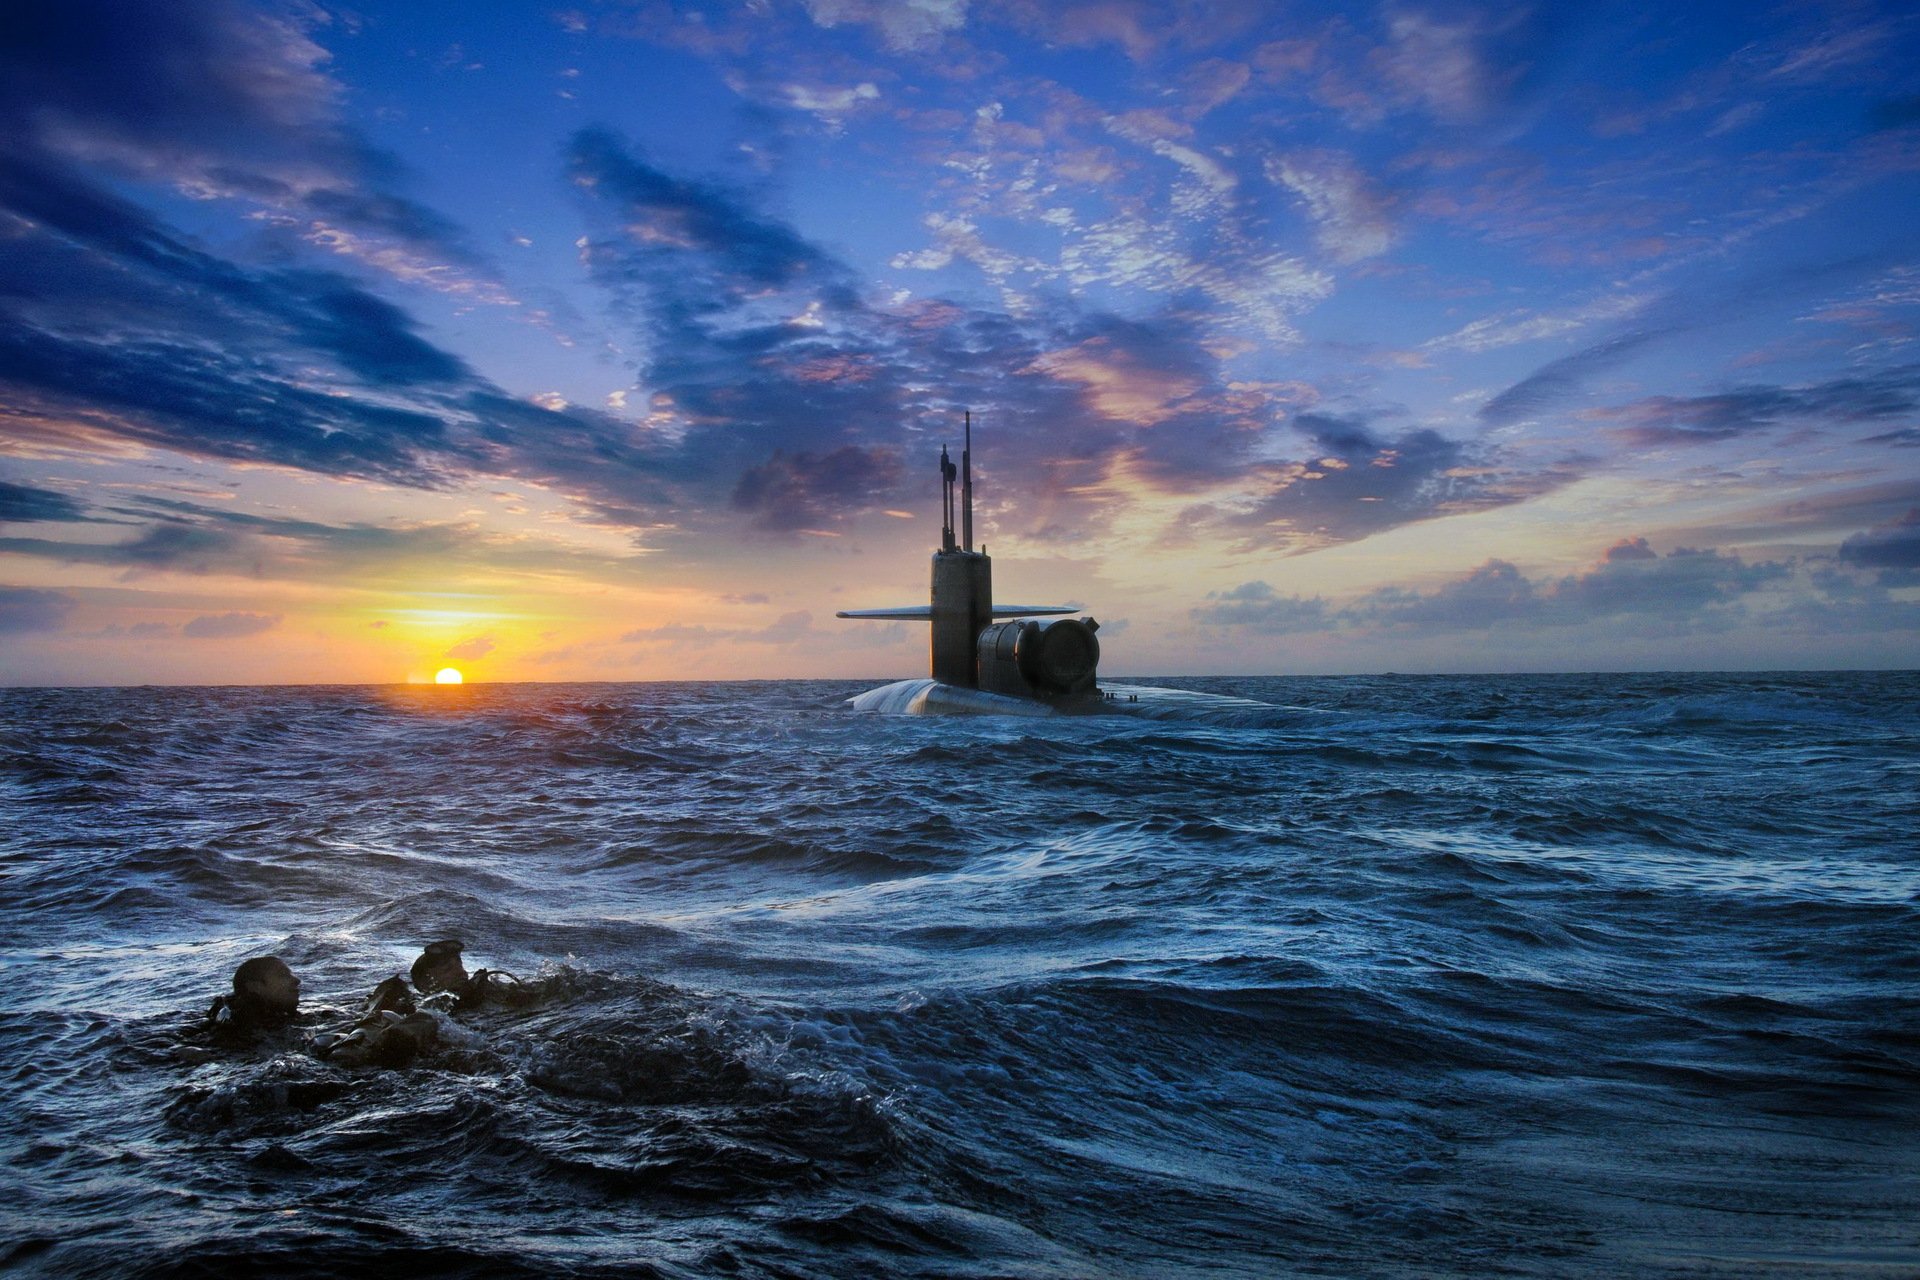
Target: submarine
{"points": [[983, 657]]}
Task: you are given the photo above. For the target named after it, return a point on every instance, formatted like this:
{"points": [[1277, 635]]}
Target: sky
{"points": [[619, 341]]}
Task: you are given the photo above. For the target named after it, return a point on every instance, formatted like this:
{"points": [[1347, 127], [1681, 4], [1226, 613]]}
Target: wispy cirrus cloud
{"points": [[1510, 328]]}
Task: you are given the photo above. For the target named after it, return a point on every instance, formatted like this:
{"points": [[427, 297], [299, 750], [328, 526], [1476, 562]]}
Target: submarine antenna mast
{"points": [[946, 500], [966, 487]]}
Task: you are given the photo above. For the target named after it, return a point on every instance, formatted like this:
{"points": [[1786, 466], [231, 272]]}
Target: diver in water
{"points": [[439, 968], [391, 1031], [265, 994]]}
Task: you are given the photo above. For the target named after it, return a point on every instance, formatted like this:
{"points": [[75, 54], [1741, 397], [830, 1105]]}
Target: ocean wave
{"points": [[1414, 975]]}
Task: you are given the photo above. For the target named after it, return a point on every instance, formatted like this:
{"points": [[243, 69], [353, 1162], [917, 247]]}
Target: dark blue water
{"points": [[1535, 976]]}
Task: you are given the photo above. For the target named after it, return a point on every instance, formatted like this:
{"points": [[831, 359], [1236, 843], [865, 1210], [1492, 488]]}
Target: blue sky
{"points": [[617, 341]]}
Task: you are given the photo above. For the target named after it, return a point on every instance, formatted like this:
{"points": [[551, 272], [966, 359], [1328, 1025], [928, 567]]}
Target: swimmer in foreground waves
{"points": [[439, 968], [390, 1032], [265, 994]]}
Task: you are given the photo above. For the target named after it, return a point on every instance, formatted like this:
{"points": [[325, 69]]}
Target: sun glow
{"points": [[447, 675]]}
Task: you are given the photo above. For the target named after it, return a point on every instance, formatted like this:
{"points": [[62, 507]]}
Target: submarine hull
{"points": [[924, 697]]}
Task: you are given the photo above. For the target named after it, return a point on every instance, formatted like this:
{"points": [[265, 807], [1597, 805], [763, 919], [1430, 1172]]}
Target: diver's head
{"points": [[265, 991], [439, 967]]}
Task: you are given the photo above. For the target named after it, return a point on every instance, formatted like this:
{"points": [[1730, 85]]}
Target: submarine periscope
{"points": [[985, 657]]}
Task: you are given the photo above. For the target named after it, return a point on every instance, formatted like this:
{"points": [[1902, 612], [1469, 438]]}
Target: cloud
{"points": [[1630, 549], [113, 327], [1694, 587], [368, 336], [187, 537], [805, 490], [471, 650], [1356, 482], [24, 504], [1562, 379], [1509, 328], [778, 381], [227, 626], [1893, 547], [1210, 83], [1143, 29], [1138, 372], [1494, 593], [1351, 216], [1252, 283], [1822, 53], [169, 546], [111, 321], [222, 100], [903, 25], [177, 546], [138, 631], [24, 610], [779, 397], [1257, 607], [120, 329], [1630, 582], [196, 82], [1888, 395], [832, 106], [1684, 581], [742, 251], [788, 628], [1438, 64]]}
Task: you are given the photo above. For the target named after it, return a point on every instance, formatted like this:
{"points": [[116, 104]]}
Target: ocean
{"points": [[1585, 975]]}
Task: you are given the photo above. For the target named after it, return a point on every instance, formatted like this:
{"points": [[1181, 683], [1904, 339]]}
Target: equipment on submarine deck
{"points": [[1053, 660]]}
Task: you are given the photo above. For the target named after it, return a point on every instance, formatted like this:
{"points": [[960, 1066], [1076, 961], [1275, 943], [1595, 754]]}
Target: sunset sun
{"points": [[447, 675]]}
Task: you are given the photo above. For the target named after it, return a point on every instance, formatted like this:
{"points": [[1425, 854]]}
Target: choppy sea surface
{"points": [[1477, 976]]}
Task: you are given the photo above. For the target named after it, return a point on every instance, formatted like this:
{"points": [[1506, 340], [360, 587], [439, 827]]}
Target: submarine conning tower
{"points": [[1044, 660], [962, 578]]}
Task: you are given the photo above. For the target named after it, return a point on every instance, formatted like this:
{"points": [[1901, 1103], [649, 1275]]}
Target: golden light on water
{"points": [[447, 675]]}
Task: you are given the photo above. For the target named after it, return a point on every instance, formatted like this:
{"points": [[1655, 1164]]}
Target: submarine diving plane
{"points": [[987, 658]]}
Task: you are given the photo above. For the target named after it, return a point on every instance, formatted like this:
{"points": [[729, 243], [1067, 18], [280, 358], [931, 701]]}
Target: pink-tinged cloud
{"points": [[471, 650]]}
